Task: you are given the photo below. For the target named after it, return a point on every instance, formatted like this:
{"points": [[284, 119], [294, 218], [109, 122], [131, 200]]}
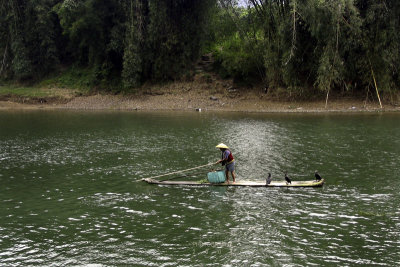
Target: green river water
{"points": [[70, 189]]}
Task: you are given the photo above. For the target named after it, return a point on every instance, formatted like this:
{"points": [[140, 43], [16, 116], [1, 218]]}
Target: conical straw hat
{"points": [[221, 146]]}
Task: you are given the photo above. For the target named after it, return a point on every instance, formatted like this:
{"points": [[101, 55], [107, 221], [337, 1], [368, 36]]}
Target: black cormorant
{"points": [[317, 176], [288, 181], [269, 179]]}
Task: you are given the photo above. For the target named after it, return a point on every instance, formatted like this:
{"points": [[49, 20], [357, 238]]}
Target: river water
{"points": [[70, 189]]}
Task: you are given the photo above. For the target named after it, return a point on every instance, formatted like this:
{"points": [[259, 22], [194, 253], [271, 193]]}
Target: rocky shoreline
{"points": [[195, 100]]}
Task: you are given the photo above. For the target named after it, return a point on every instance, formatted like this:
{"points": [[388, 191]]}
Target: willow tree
{"points": [[28, 30], [175, 34], [379, 66], [322, 44], [335, 25], [163, 39], [135, 52], [94, 30]]}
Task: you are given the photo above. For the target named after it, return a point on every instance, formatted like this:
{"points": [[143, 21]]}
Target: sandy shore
{"points": [[190, 100]]}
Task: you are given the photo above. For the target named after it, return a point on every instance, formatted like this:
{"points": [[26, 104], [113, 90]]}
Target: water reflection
{"points": [[256, 145]]}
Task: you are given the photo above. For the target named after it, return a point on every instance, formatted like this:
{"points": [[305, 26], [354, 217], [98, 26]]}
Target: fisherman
{"points": [[227, 160]]}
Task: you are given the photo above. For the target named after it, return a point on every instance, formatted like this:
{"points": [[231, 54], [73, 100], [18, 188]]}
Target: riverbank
{"points": [[182, 96]]}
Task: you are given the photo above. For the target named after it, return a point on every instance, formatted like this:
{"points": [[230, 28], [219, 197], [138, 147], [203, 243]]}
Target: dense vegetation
{"points": [[297, 45]]}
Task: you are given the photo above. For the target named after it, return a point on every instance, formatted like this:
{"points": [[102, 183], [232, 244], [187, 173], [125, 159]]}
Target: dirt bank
{"points": [[186, 96]]}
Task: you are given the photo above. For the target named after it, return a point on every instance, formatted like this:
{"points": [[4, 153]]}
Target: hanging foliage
{"points": [[317, 45]]}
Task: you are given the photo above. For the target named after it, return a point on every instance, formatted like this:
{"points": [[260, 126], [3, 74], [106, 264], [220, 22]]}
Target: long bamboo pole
{"points": [[170, 173]]}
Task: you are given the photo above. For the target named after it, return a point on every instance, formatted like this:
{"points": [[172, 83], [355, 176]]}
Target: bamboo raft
{"points": [[311, 183]]}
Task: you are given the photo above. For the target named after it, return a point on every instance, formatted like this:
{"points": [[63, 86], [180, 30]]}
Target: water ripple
{"points": [[68, 196]]}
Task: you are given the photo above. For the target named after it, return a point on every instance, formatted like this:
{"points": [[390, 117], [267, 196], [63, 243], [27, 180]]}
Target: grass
{"points": [[23, 91], [65, 83], [35, 92], [79, 79]]}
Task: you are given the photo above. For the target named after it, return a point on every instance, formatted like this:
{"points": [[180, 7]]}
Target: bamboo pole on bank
{"points": [[376, 86]]}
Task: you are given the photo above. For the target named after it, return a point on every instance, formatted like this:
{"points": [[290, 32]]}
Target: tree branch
{"points": [[3, 62]]}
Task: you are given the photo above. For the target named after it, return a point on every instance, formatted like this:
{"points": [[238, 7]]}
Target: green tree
{"points": [[95, 32], [163, 39], [174, 35], [30, 30], [135, 62], [330, 45], [326, 44], [380, 43]]}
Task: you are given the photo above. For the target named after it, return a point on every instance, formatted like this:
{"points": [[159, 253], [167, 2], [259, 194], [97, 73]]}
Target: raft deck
{"points": [[312, 183]]}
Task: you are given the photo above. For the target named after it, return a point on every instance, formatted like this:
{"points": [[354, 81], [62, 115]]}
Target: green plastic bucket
{"points": [[216, 177]]}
